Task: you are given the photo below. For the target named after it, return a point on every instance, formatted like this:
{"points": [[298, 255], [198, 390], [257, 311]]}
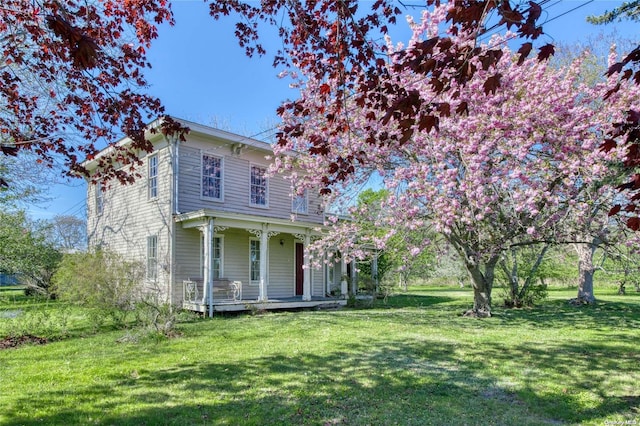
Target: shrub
{"points": [[102, 281], [112, 287]]}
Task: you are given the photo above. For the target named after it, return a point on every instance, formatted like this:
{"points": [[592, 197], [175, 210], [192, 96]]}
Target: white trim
{"points": [[307, 282], [196, 218], [205, 197], [221, 258], [153, 135]]}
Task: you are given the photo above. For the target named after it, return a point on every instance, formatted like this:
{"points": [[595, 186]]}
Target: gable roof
{"points": [[241, 141]]}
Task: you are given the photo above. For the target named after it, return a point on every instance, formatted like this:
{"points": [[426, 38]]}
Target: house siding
{"points": [[281, 267], [236, 183], [128, 217], [188, 262]]}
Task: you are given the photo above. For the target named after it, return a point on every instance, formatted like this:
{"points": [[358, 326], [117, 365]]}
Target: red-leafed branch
{"points": [[338, 41], [72, 80]]}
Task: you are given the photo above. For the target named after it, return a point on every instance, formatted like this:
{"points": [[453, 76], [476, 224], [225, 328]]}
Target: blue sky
{"points": [[201, 74]]}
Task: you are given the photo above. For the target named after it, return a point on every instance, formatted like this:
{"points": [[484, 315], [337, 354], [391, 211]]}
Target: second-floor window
{"points": [[211, 177], [299, 203], [152, 177], [258, 186]]}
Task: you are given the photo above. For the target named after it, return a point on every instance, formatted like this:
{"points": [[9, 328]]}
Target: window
{"points": [[254, 261], [211, 177], [258, 186], [99, 198], [152, 257], [152, 176], [299, 203], [217, 257]]}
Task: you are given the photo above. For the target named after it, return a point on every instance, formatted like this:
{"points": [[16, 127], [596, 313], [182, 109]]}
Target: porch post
{"points": [[204, 229], [264, 247], [207, 279], [306, 270], [354, 278], [209, 244], [343, 273], [374, 271], [327, 274]]}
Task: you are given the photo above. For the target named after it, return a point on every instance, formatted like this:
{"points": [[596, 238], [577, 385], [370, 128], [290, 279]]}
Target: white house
{"points": [[206, 220]]}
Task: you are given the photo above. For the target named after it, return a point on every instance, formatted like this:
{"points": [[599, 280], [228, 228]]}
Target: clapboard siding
{"points": [[188, 258], [236, 183], [281, 267], [129, 217]]}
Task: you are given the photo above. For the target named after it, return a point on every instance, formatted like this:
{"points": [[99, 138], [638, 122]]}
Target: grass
{"points": [[412, 361]]}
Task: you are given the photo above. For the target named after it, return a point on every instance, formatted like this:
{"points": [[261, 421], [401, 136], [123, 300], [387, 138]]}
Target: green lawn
{"points": [[413, 361]]}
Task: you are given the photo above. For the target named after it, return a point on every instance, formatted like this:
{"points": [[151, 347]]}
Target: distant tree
{"points": [[399, 254], [26, 251], [520, 268], [69, 233], [26, 181], [627, 10]]}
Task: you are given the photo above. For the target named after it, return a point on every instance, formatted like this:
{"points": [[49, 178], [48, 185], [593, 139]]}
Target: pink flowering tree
{"points": [[504, 169]]}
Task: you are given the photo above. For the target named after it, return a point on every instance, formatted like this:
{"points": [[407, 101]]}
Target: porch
{"points": [[272, 304], [227, 297], [264, 259]]}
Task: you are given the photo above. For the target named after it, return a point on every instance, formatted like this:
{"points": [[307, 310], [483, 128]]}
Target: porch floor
{"points": [[275, 303]]}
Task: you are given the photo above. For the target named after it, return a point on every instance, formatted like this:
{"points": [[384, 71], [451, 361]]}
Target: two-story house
{"points": [[213, 229]]}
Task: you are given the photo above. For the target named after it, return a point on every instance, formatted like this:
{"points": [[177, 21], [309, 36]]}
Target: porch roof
{"points": [[196, 218]]}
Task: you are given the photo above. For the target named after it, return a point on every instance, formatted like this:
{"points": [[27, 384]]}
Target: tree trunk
{"points": [[585, 273], [481, 278], [482, 284]]}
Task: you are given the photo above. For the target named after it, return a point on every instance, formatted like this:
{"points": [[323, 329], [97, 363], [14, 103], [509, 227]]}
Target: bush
{"points": [[112, 287], [102, 281]]}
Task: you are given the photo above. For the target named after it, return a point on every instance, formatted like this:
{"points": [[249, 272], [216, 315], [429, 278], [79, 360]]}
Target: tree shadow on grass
{"points": [[393, 382], [410, 300], [604, 315]]}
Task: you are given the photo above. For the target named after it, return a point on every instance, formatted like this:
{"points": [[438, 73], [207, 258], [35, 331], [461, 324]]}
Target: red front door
{"points": [[299, 270]]}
